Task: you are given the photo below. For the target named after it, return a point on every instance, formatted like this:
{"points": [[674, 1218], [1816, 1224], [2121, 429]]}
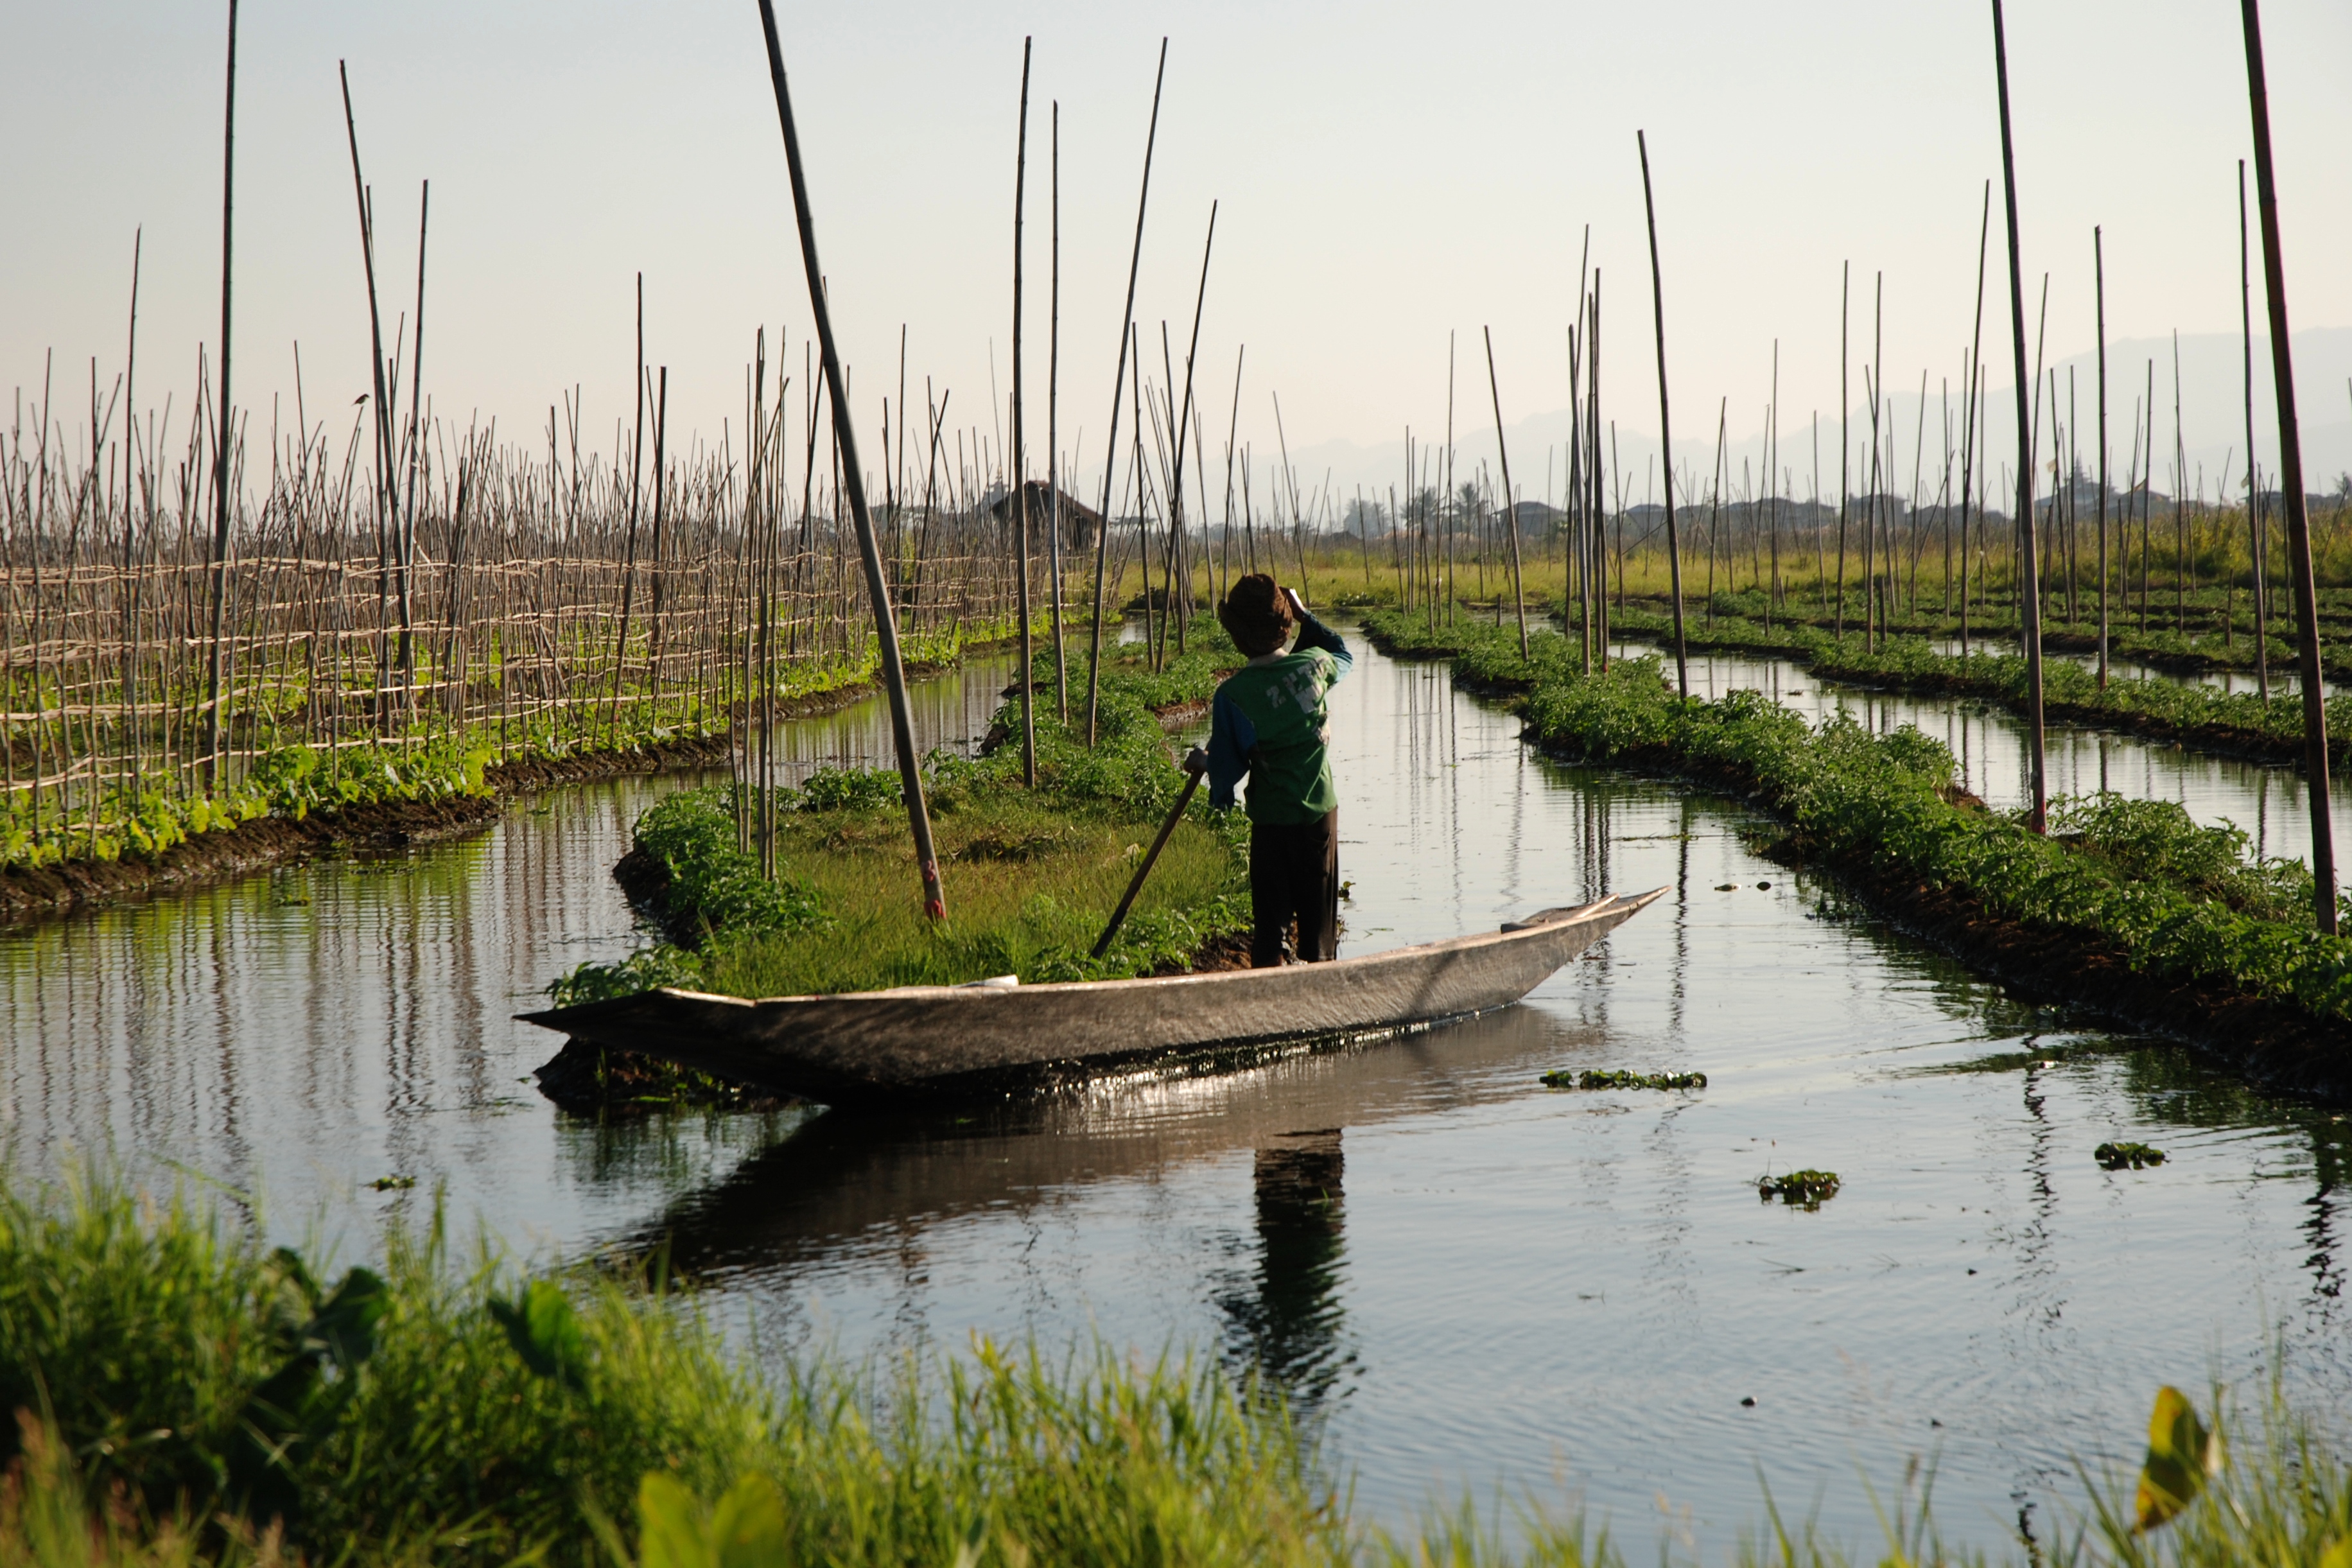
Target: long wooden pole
{"points": [[224, 428], [1110, 452], [2254, 473], [1025, 681], [853, 482], [2099, 288], [629, 545], [1053, 427], [1845, 433], [1150, 858], [1969, 416], [1666, 439], [2298, 521], [1182, 423], [1510, 504], [2029, 585]]}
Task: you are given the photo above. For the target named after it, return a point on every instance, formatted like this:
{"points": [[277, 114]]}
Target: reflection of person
{"points": [[1270, 722]]}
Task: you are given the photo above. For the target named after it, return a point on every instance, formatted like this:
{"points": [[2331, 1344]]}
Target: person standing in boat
{"points": [[1270, 722]]}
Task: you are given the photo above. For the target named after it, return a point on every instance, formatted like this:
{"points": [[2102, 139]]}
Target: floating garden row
{"points": [[2130, 881], [1032, 875]]}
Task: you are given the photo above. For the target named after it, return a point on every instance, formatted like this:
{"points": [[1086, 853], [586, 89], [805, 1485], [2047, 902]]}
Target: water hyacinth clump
{"points": [[1805, 1189], [1590, 1079]]}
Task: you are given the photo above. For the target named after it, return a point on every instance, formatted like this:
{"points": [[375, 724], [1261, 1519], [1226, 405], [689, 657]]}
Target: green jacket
{"points": [[1269, 721]]}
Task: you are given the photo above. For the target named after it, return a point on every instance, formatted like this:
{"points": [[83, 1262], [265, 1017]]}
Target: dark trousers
{"points": [[1295, 877]]}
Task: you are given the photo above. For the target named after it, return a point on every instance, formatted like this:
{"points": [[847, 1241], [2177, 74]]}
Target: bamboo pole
{"points": [[408, 523], [2298, 522], [2099, 290], [1053, 428], [1845, 435], [222, 406], [1018, 473], [894, 674], [1181, 425], [1510, 504], [1665, 444], [629, 550], [2254, 539], [1110, 452], [2029, 577]]}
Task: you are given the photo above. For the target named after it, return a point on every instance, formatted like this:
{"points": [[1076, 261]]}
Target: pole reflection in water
{"points": [[1286, 1320]]}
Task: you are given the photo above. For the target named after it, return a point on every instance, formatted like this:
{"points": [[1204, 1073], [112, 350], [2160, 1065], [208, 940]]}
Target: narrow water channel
{"points": [[2266, 799], [1462, 1279]]}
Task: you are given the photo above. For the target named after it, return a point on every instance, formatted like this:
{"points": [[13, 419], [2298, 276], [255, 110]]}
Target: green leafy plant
{"points": [[2127, 1156], [1805, 1189], [1589, 1079]]}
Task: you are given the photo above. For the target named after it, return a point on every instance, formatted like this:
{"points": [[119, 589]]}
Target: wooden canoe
{"points": [[965, 1041]]}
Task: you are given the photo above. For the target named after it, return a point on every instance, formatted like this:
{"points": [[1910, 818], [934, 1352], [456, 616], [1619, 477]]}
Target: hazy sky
{"points": [[1387, 175]]}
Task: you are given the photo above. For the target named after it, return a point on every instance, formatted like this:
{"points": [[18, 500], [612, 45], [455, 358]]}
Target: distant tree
{"points": [[1365, 518]]}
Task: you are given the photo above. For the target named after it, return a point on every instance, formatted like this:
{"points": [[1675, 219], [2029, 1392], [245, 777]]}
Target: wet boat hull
{"points": [[964, 1041]]}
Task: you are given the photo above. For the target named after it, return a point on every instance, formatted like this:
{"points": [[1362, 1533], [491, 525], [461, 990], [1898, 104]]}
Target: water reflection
{"points": [[1466, 1278], [296, 1035], [2267, 800], [1285, 1316]]}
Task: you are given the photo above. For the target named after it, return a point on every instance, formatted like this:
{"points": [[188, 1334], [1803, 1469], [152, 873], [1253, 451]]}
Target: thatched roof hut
{"points": [[1080, 523]]}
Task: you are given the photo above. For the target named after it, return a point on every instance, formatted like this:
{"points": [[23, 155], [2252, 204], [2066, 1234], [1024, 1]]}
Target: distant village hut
{"points": [[1081, 524]]}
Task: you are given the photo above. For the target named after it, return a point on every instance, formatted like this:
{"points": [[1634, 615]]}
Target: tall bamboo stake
{"points": [[1110, 451], [1846, 434], [223, 423], [407, 524], [629, 549], [1510, 502], [1018, 472], [1181, 424], [1053, 428], [2254, 488], [894, 673], [2298, 522], [2030, 584], [2099, 289], [1665, 442]]}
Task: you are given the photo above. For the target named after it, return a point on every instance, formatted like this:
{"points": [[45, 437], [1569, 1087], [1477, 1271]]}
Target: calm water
{"points": [[2267, 800], [1464, 1278]]}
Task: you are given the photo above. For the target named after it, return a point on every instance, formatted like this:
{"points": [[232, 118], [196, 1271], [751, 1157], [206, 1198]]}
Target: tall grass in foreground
{"points": [[499, 1418]]}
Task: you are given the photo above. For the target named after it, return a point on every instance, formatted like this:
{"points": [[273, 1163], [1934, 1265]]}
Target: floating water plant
{"points": [[1591, 1079], [1806, 1189], [393, 1184], [2123, 1156]]}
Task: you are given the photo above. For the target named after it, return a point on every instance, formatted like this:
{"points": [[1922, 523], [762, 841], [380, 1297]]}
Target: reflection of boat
{"points": [[850, 1185], [948, 1041]]}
